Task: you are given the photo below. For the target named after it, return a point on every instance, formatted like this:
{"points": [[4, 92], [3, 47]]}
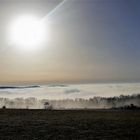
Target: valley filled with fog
{"points": [[67, 91]]}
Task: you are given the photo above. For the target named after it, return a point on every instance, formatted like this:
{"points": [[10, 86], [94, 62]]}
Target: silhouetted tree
{"points": [[46, 105], [4, 107]]}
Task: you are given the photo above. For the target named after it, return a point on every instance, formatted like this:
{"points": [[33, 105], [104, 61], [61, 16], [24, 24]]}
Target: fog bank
{"points": [[69, 91]]}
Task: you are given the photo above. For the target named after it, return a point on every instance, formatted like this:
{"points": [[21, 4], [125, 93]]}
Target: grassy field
{"points": [[69, 125]]}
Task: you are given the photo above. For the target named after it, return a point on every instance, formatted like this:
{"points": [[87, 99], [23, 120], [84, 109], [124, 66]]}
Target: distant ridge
{"points": [[18, 87], [57, 85]]}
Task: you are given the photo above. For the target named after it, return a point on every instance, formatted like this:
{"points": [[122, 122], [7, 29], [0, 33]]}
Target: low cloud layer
{"points": [[60, 91]]}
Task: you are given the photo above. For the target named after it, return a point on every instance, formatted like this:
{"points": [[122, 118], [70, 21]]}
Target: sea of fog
{"points": [[65, 91]]}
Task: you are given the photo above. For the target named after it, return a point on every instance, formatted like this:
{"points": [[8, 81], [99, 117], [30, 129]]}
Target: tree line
{"points": [[79, 103]]}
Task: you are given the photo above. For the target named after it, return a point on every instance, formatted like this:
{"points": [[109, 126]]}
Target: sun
{"points": [[27, 32]]}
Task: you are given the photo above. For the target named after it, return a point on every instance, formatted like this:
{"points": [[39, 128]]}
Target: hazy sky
{"points": [[90, 41]]}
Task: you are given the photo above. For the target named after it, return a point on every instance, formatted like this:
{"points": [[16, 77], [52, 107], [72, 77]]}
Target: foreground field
{"points": [[69, 125]]}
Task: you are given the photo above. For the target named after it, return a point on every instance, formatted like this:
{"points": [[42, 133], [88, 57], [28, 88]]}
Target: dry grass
{"points": [[69, 125]]}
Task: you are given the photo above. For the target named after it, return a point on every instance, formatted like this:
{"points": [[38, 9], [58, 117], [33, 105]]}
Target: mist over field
{"points": [[70, 96]]}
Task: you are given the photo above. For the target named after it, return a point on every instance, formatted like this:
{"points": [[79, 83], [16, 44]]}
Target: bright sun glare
{"points": [[28, 32]]}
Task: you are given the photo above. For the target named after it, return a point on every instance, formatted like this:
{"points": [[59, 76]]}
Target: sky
{"points": [[89, 41]]}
